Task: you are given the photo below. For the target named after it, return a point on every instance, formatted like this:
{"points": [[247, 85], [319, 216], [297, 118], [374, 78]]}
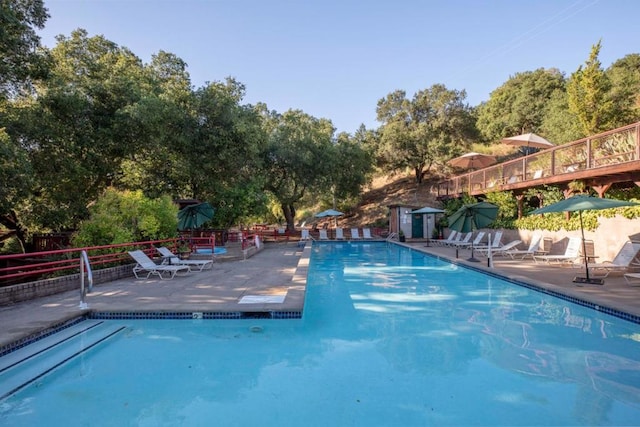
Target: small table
{"points": [[167, 258]]}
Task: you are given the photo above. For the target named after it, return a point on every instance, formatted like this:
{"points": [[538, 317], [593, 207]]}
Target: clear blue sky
{"points": [[336, 58]]}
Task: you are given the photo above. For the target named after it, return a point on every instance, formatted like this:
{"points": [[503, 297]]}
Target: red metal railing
{"points": [[16, 268]]}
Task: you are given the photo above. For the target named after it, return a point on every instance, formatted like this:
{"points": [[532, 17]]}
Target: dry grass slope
{"points": [[385, 191]]}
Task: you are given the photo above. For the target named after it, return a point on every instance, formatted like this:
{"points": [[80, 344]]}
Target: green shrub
{"points": [[127, 216]]}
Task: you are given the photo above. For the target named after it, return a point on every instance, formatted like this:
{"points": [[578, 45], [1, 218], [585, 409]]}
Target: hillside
{"points": [[385, 191]]}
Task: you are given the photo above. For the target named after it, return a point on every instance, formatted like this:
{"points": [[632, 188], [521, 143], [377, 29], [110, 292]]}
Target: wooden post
{"points": [[601, 189], [520, 199]]}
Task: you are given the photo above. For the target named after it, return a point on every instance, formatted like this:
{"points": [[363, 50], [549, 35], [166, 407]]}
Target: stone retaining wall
{"points": [[41, 288]]}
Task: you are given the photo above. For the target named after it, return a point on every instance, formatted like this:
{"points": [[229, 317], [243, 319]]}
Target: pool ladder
{"points": [[84, 263]]}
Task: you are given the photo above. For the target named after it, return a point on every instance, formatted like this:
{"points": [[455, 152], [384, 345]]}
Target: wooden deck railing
{"points": [[602, 154]]}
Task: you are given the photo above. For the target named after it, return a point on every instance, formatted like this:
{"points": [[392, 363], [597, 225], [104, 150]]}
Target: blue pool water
{"points": [[389, 337], [216, 251]]}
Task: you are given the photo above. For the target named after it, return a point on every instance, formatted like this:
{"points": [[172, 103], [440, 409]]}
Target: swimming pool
{"points": [[218, 250], [389, 336]]}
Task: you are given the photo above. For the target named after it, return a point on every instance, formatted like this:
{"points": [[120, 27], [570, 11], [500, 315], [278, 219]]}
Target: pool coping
{"points": [[536, 285]]}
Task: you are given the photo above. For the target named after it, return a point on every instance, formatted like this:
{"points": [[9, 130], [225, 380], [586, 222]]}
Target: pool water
{"points": [[216, 251], [389, 337]]}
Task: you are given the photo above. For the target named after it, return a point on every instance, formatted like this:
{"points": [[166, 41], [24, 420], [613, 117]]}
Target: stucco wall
{"points": [[608, 238]]}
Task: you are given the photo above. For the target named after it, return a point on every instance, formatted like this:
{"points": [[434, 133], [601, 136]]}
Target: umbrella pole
{"points": [[586, 261], [584, 248], [472, 259]]}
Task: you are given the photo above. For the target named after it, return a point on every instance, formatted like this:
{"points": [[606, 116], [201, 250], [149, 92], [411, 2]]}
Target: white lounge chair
{"points": [[473, 243], [305, 236], [622, 261], [632, 278], [502, 249], [355, 234], [458, 239], [173, 259], [144, 263], [497, 239], [442, 242], [323, 235], [366, 233], [570, 254], [534, 248], [339, 234]]}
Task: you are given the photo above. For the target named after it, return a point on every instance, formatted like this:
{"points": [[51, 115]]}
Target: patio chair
{"points": [[622, 261], [533, 248], [355, 234], [144, 263], [366, 233], [570, 254], [459, 239], [339, 234], [632, 278], [442, 242], [305, 235], [497, 239], [173, 259], [500, 250], [475, 241], [323, 235]]}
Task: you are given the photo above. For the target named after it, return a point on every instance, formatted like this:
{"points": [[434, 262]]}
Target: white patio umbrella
{"points": [[472, 161], [528, 140]]}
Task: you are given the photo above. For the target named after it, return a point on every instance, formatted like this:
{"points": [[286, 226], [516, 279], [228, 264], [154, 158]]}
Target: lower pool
{"points": [[389, 337]]}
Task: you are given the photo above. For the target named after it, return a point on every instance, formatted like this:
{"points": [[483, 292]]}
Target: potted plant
{"points": [[401, 236], [184, 250], [435, 233]]}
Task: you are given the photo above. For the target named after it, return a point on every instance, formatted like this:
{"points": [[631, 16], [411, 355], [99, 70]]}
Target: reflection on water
{"points": [[437, 318]]}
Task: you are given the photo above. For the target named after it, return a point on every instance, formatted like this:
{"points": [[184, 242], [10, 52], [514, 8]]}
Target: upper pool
{"points": [[218, 250], [389, 337]]}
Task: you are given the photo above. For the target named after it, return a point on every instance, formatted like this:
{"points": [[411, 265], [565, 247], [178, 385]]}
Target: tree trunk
{"points": [[289, 213], [10, 221], [419, 174]]}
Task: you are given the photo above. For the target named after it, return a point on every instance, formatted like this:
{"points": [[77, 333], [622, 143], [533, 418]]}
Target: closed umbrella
{"points": [[428, 211], [472, 161], [581, 203], [194, 216], [472, 217]]}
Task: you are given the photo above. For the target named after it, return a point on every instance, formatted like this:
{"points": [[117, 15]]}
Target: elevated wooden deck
{"points": [[599, 161]]}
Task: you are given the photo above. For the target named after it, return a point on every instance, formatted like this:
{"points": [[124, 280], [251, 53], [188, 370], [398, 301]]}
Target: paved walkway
{"points": [[615, 293], [275, 270], [278, 270]]}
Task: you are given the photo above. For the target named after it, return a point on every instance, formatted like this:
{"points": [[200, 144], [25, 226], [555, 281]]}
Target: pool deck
{"points": [[280, 269]]}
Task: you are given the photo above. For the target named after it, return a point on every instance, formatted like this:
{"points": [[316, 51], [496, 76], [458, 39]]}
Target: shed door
{"points": [[417, 226]]}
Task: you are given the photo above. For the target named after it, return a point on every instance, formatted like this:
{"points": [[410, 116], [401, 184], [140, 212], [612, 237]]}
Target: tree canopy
{"points": [[88, 117], [519, 105], [424, 131]]}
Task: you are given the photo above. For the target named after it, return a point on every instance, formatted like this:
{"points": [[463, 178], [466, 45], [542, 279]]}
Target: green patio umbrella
{"points": [[194, 216], [581, 203], [329, 213], [472, 217]]}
